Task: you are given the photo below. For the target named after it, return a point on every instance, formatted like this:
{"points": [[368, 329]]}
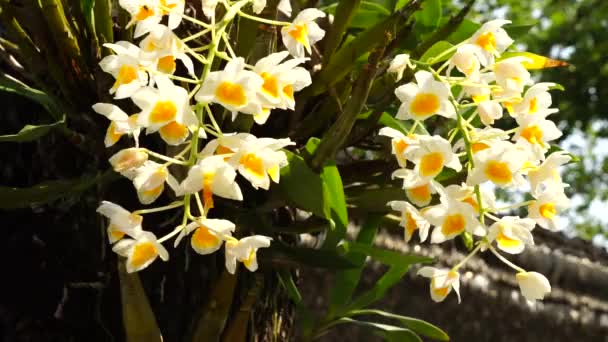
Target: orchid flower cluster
{"points": [[478, 84], [182, 115]]}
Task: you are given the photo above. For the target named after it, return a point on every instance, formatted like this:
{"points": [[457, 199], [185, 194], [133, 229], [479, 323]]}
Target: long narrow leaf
{"points": [[417, 325], [346, 281], [138, 319]]}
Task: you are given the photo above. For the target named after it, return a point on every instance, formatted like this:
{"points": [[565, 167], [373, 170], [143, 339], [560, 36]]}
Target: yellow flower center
{"points": [[498, 172], [506, 242], [480, 98], [453, 224], [440, 291], [163, 111], [166, 64], [547, 210], [112, 135], [163, 3], [154, 191], [300, 34], [117, 234], [253, 164], [203, 238], [424, 104], [421, 193], [250, 258], [270, 86], [410, 224], [142, 253], [231, 93], [400, 146], [207, 190], [431, 164], [173, 131], [144, 13], [126, 74], [487, 41], [479, 146], [533, 134], [533, 106], [288, 91], [472, 202]]}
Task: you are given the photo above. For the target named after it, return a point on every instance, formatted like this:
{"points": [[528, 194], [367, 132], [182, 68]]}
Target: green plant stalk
{"points": [[103, 21], [337, 134], [60, 29], [345, 11]]}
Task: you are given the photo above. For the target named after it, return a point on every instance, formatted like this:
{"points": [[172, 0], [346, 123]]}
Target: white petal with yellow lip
{"points": [[161, 106], [140, 251], [546, 208], [209, 234], [400, 144], [417, 189], [234, 88], [303, 32], [281, 79], [536, 101], [512, 234], [212, 175], [534, 133], [411, 220], [260, 161], [431, 154], [511, 75], [423, 99], [245, 251], [125, 68], [465, 60], [491, 40], [547, 175], [501, 163], [144, 13], [442, 282], [121, 222]]}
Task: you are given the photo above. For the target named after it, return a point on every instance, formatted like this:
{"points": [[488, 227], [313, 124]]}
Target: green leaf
{"points": [[388, 332], [373, 199], [417, 325], [339, 214], [464, 31], [13, 85], [286, 280], [385, 256], [137, 315], [212, 321], [322, 258], [303, 187], [436, 53], [30, 132], [368, 14], [346, 281], [388, 120], [430, 15], [11, 198], [378, 291], [87, 7], [516, 31]]}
